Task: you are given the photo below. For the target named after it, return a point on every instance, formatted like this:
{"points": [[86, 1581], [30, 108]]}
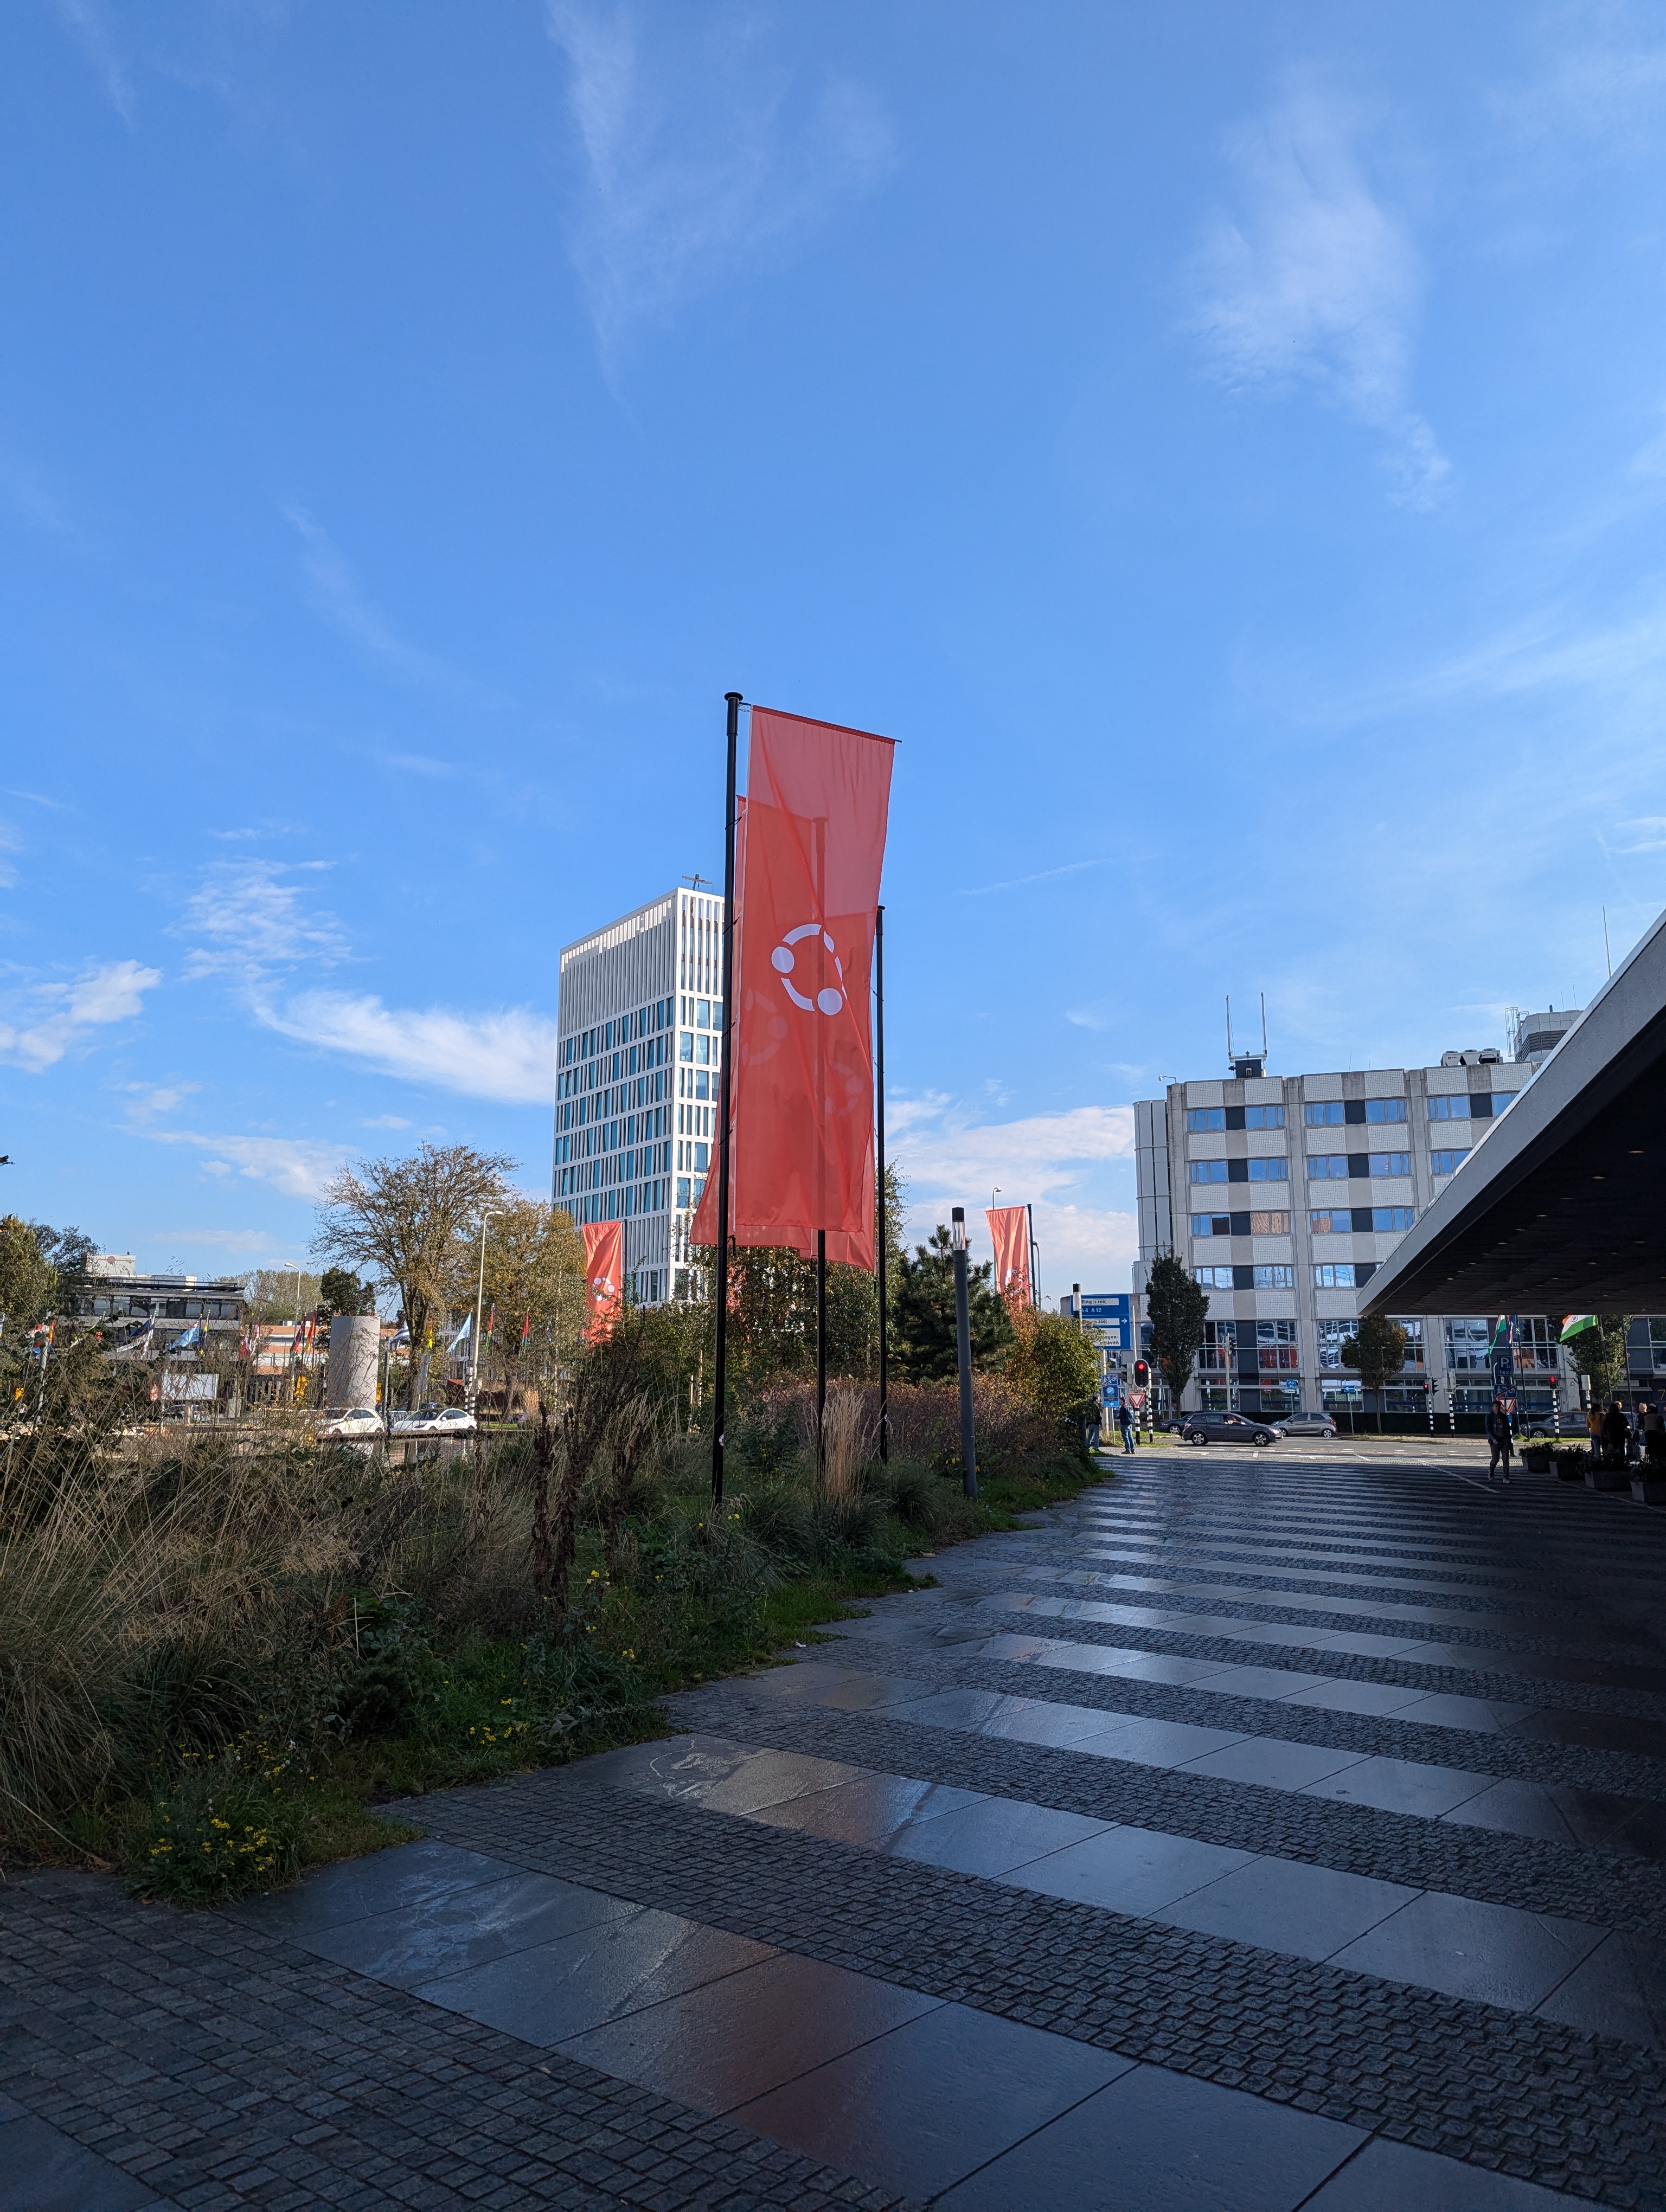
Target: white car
{"points": [[435, 1421], [358, 1423]]}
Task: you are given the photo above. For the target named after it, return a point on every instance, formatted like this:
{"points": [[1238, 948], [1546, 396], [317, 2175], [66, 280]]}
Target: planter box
{"points": [[1535, 1462], [1607, 1478], [1650, 1489]]}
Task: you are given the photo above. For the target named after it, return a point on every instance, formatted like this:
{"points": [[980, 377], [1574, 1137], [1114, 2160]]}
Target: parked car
{"points": [[1307, 1425], [435, 1421], [361, 1422], [1227, 1429]]}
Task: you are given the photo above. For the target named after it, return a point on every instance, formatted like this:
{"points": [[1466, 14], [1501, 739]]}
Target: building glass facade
{"points": [[638, 1057]]}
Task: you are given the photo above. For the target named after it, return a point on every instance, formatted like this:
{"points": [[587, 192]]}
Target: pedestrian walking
{"points": [[1654, 1434], [1616, 1434], [1500, 1442], [1125, 1419]]}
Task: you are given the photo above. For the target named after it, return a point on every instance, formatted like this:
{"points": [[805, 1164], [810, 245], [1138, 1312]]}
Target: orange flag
{"points": [[1009, 1232], [603, 1265], [799, 1029]]}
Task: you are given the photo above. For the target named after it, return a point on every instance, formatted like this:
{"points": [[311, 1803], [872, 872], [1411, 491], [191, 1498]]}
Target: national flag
{"points": [[604, 1268], [193, 1336], [491, 1319], [526, 1328], [468, 1325], [800, 1031], [1576, 1325], [1009, 1232]]}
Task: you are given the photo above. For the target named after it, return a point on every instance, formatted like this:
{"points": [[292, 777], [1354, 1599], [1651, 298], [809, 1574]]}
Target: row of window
{"points": [[1327, 1275], [622, 1203], [1260, 1170], [607, 1037], [140, 1303], [1340, 1167], [1340, 1113], [1235, 1117], [1328, 1221], [613, 1167]]}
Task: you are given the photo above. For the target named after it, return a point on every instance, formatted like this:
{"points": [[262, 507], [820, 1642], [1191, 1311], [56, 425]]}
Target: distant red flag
{"points": [[1009, 1232], [800, 1030], [526, 1328], [604, 1265]]}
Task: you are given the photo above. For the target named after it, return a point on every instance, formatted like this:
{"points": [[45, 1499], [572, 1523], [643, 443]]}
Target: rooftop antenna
{"points": [[695, 881]]}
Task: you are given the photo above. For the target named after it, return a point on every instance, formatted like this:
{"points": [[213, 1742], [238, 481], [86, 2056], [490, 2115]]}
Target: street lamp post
{"points": [[962, 1330], [486, 1214]]}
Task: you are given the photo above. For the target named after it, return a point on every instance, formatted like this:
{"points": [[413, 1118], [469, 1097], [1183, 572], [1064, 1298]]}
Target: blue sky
{"points": [[1225, 445]]}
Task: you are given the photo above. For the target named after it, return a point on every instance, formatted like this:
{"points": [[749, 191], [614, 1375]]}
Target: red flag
{"points": [[1009, 1232], [603, 1264], [799, 1029]]}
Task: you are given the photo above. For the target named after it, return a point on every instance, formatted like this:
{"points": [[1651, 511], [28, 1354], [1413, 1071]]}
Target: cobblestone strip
{"points": [[1513, 1689], [1510, 1758], [1248, 1816], [227, 2067], [1503, 2090]]}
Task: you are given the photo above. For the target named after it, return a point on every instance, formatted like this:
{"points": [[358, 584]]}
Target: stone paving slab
{"points": [[1531, 2096]]}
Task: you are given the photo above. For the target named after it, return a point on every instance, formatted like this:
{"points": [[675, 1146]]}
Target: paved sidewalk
{"points": [[1257, 1833]]}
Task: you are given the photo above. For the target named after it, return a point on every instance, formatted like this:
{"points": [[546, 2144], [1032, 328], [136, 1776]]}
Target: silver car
{"points": [[1307, 1425]]}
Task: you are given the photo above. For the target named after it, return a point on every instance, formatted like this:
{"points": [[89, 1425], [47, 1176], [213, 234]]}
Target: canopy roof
{"points": [[1561, 1207]]}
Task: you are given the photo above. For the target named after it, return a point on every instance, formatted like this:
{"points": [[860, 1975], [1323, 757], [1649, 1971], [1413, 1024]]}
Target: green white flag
{"points": [[1574, 1325]]}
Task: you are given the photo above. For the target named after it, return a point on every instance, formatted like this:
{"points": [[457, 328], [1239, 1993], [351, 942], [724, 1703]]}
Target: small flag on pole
{"points": [[604, 1267], [1009, 1232], [1575, 1325]]}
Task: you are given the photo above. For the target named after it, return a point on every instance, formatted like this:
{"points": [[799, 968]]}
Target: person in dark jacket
{"points": [[1125, 1418], [1654, 1435], [1499, 1440], [1616, 1433]]}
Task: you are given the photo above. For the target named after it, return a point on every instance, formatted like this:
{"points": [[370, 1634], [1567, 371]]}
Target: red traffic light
{"points": [[1142, 1371]]}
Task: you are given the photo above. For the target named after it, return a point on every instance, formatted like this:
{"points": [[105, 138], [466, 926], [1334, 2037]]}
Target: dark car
{"points": [[1228, 1428]]}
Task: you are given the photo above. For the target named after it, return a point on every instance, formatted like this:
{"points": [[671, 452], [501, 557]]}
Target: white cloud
{"points": [[293, 1165], [88, 23], [1052, 1162], [700, 165], [335, 594], [1315, 280], [509, 1055], [385, 1122], [114, 993], [937, 1150], [146, 1099], [255, 922], [1041, 876]]}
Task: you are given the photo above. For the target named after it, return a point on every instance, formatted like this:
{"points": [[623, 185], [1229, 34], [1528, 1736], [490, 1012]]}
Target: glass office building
{"points": [[637, 1057]]}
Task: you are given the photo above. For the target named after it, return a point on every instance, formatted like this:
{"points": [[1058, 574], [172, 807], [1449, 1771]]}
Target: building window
{"points": [[1276, 1331], [1275, 1278], [1468, 1341], [1277, 1358], [1389, 1217], [1385, 1109], [1448, 1163], [1269, 1224], [1449, 1106], [1207, 1117], [685, 1045], [1333, 1335], [1331, 1221], [1320, 1165], [1207, 1171], [1263, 1117], [1390, 1163], [1324, 1112], [1268, 1170], [1215, 1278], [1212, 1225], [1341, 1275]]}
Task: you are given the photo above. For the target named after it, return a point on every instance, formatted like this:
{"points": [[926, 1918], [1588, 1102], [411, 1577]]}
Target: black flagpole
{"points": [[720, 1364], [879, 1101], [821, 1360]]}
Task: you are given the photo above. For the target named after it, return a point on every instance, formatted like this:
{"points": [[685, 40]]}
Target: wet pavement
{"points": [[1261, 1830]]}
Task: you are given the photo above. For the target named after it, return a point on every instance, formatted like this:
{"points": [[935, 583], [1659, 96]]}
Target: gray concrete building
{"points": [[1285, 1194]]}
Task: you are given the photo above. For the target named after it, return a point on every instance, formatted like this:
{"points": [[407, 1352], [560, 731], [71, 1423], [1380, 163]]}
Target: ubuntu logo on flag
{"points": [[827, 999]]}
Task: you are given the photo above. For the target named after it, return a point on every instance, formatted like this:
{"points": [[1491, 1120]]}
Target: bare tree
{"points": [[407, 1222]]}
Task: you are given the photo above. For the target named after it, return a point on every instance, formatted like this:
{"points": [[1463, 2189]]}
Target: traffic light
{"points": [[1142, 1373]]}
